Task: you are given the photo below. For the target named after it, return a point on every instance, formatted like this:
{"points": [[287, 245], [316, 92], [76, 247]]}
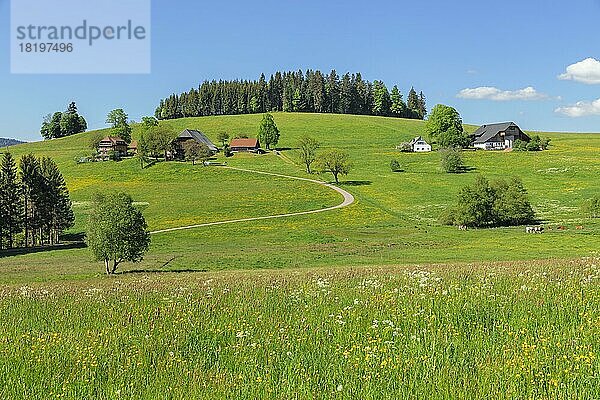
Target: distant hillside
{"points": [[9, 142]]}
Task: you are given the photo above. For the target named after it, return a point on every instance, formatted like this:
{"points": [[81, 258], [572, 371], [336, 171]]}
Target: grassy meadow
{"points": [[493, 330], [373, 301], [393, 222]]}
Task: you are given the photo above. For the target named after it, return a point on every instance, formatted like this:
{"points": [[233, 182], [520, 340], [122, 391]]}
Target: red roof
{"points": [[245, 142]]}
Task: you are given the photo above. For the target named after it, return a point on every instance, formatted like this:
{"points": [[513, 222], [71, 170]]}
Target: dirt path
{"points": [[348, 199]]}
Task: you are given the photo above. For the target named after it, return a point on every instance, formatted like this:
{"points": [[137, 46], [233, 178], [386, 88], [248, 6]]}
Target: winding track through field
{"points": [[348, 199]]}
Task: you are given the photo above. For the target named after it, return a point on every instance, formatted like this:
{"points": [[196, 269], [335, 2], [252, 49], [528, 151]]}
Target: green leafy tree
{"points": [[475, 204], [482, 204], [10, 201], [149, 123], [336, 162], [119, 123], [223, 137], [117, 231], [196, 151], [51, 126], [511, 203], [268, 133], [444, 126], [95, 140], [62, 124], [519, 145], [307, 151], [71, 122], [451, 161]]}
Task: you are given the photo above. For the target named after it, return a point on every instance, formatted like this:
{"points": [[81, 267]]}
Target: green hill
{"points": [[394, 220]]}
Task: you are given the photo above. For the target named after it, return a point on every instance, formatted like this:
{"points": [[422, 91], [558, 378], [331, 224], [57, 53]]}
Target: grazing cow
{"points": [[579, 227], [561, 228], [534, 229], [463, 228]]}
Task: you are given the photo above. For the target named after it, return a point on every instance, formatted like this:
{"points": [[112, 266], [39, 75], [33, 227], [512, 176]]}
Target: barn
{"points": [[245, 144], [498, 136]]}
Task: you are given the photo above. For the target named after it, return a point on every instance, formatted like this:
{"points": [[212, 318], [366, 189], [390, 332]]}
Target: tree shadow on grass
{"points": [[160, 271], [464, 170], [42, 249], [355, 183]]}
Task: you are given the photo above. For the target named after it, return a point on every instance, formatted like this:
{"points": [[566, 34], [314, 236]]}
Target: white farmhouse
{"points": [[419, 145]]}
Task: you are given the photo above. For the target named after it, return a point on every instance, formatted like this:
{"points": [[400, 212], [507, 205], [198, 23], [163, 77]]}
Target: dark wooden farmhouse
{"points": [[498, 136], [112, 144], [245, 144], [191, 135]]}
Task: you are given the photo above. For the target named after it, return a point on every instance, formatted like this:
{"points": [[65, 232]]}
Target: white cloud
{"points": [[580, 109], [492, 93], [586, 71]]}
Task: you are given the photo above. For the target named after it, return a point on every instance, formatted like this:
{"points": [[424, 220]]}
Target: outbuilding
{"points": [[244, 145], [419, 145]]}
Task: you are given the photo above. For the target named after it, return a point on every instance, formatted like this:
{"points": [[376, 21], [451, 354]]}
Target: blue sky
{"points": [[496, 49]]}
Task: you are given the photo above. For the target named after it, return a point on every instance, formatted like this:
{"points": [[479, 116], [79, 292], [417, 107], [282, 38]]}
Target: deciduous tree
{"points": [[268, 133], [307, 151], [117, 231], [336, 162], [119, 123]]}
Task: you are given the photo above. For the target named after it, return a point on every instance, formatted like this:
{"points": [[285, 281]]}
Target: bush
{"points": [[395, 166], [536, 144], [114, 155], [451, 161], [591, 207], [520, 145], [227, 151], [482, 204], [405, 147]]}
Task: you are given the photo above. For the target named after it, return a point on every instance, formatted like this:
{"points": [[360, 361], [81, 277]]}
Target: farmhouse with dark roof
{"points": [[498, 136], [191, 135]]}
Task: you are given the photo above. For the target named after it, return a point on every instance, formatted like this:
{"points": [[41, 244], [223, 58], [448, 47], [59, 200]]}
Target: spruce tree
{"points": [[413, 103], [58, 204], [422, 106], [398, 107], [29, 176], [381, 99]]}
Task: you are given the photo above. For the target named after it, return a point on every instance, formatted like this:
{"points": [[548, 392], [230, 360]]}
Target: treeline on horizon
{"points": [[290, 91]]}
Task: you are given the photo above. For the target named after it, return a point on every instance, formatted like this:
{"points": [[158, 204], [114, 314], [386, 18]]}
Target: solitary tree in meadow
{"points": [[307, 150], [117, 231], [451, 161], [335, 162], [268, 134]]}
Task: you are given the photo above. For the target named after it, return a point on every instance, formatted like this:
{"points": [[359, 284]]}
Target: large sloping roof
{"points": [[112, 140], [244, 142], [486, 132], [198, 137], [415, 140]]}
